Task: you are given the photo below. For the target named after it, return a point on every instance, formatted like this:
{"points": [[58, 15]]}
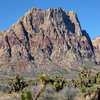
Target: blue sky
{"points": [[88, 12]]}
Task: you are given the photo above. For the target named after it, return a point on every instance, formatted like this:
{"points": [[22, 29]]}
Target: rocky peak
{"points": [[96, 42], [74, 19], [46, 38]]}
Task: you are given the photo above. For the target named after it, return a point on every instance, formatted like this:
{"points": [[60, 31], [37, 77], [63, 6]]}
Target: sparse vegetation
{"points": [[56, 87]]}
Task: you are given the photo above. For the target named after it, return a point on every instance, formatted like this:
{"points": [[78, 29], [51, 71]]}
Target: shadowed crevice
{"points": [[84, 33], [9, 49], [69, 25], [27, 44]]}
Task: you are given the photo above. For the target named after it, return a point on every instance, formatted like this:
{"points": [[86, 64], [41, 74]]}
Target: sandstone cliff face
{"points": [[45, 39], [96, 44]]}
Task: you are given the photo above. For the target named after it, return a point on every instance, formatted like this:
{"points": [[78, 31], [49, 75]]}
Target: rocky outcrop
{"points": [[44, 39], [96, 44]]}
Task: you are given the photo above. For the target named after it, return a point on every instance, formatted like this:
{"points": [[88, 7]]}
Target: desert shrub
{"points": [[4, 87], [49, 89], [33, 88], [51, 96], [46, 96], [69, 92]]}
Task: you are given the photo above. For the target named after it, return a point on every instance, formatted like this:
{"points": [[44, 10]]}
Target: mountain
{"points": [[50, 41], [96, 44]]}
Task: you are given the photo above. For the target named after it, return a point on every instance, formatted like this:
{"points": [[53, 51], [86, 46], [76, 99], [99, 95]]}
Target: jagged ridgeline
{"points": [[50, 41]]}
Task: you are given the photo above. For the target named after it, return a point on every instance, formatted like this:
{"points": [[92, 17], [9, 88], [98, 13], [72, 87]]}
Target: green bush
{"points": [[89, 91], [83, 89], [27, 96]]}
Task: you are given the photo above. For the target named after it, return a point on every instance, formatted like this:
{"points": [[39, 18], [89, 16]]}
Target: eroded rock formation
{"points": [[96, 44], [45, 41]]}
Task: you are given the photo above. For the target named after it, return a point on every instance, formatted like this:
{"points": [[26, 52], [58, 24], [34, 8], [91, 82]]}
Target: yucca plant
{"points": [[57, 83], [84, 77], [44, 79], [17, 84]]}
